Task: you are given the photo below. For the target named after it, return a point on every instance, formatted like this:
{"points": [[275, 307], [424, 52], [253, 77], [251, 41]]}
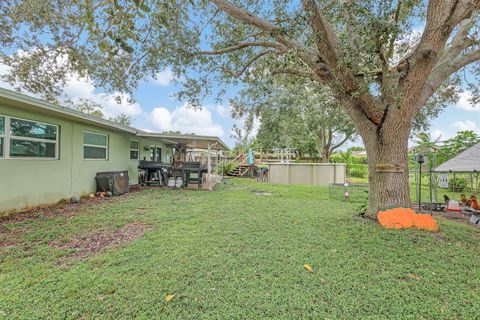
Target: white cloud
{"points": [[464, 102], [465, 125], [3, 71], [186, 120], [164, 78], [255, 128], [437, 134], [240, 124], [224, 111], [77, 88], [406, 42], [162, 118]]}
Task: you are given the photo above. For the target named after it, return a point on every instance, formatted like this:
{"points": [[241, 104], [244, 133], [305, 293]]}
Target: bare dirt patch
{"points": [[457, 217], [261, 193], [95, 242], [64, 209]]}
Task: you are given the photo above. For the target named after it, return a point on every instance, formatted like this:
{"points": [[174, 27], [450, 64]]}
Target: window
{"points": [[30, 139], [157, 154], [95, 146], [133, 150], [2, 135]]}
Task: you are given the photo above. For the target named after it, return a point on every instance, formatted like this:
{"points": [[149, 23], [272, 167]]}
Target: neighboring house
{"points": [[360, 153], [49, 153]]}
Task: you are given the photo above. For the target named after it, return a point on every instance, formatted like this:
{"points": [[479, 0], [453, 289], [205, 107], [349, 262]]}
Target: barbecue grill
{"points": [[153, 172], [193, 167]]}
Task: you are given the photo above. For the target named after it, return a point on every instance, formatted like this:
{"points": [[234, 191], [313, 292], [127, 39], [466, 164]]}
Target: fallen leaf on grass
{"points": [[413, 276], [170, 297], [308, 267]]}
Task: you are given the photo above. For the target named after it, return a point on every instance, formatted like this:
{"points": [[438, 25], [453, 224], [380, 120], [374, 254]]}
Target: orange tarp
{"points": [[406, 218]]}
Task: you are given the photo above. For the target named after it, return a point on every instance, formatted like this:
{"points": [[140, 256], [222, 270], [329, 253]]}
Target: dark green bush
{"points": [[460, 184], [357, 170]]}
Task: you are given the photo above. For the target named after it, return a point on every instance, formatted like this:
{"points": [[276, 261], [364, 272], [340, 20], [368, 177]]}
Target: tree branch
{"points": [[243, 45], [253, 20], [249, 63], [299, 73], [443, 71], [442, 18], [391, 45], [342, 142], [461, 40], [268, 28], [326, 39]]}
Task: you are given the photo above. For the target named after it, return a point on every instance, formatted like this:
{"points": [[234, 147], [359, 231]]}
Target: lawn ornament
{"points": [[454, 206], [474, 203], [406, 218]]}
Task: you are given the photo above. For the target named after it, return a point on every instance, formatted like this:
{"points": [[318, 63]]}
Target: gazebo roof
{"points": [[467, 161]]}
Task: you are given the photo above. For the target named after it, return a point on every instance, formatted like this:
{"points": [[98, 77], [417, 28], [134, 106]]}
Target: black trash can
{"points": [[116, 182]]}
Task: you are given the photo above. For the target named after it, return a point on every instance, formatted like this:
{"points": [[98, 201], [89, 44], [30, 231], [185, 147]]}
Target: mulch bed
{"points": [[95, 242], [65, 209], [456, 216]]}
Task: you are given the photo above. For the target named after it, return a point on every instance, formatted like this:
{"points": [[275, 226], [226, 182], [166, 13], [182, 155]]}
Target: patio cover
{"points": [[467, 161], [190, 140]]}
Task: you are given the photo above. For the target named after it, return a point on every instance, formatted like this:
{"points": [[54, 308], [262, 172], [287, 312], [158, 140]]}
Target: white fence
{"points": [[320, 174]]}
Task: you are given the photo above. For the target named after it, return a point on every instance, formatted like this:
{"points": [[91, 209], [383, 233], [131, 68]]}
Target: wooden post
{"points": [[453, 187], [209, 166]]}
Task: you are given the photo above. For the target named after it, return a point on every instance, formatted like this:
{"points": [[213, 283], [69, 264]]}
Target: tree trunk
{"points": [[325, 155], [388, 183]]}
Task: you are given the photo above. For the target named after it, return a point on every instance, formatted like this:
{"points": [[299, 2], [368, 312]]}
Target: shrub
{"points": [[459, 183], [357, 171], [229, 167]]}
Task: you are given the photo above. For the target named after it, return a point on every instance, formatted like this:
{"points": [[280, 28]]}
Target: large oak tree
{"points": [[383, 60]]}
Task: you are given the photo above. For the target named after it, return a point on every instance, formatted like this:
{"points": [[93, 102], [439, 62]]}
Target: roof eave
{"points": [[38, 103]]}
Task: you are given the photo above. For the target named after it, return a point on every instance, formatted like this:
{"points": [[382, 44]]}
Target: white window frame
{"points": [[96, 146], [8, 136], [138, 149]]}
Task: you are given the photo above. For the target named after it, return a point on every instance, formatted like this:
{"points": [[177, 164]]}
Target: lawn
{"points": [[233, 254]]}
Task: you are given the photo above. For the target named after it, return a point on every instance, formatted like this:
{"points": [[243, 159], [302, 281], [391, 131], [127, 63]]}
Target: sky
{"points": [[156, 109]]}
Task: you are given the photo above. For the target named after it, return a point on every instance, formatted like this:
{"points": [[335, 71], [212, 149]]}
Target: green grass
{"points": [[231, 254]]}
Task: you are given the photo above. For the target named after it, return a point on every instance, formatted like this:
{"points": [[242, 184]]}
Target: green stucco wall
{"points": [[26, 183]]}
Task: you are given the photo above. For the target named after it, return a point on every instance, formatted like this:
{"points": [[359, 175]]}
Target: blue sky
{"points": [[156, 109]]}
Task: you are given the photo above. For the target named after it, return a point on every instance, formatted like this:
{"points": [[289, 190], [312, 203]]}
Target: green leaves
{"points": [[142, 6], [126, 47]]}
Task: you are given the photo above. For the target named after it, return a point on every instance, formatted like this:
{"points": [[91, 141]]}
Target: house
{"points": [[49, 153]]}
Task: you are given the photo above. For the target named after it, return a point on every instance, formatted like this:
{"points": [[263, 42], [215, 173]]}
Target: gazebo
{"points": [[466, 162]]}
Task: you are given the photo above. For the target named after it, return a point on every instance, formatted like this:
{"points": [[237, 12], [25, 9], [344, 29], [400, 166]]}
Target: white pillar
{"points": [[209, 166]]}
